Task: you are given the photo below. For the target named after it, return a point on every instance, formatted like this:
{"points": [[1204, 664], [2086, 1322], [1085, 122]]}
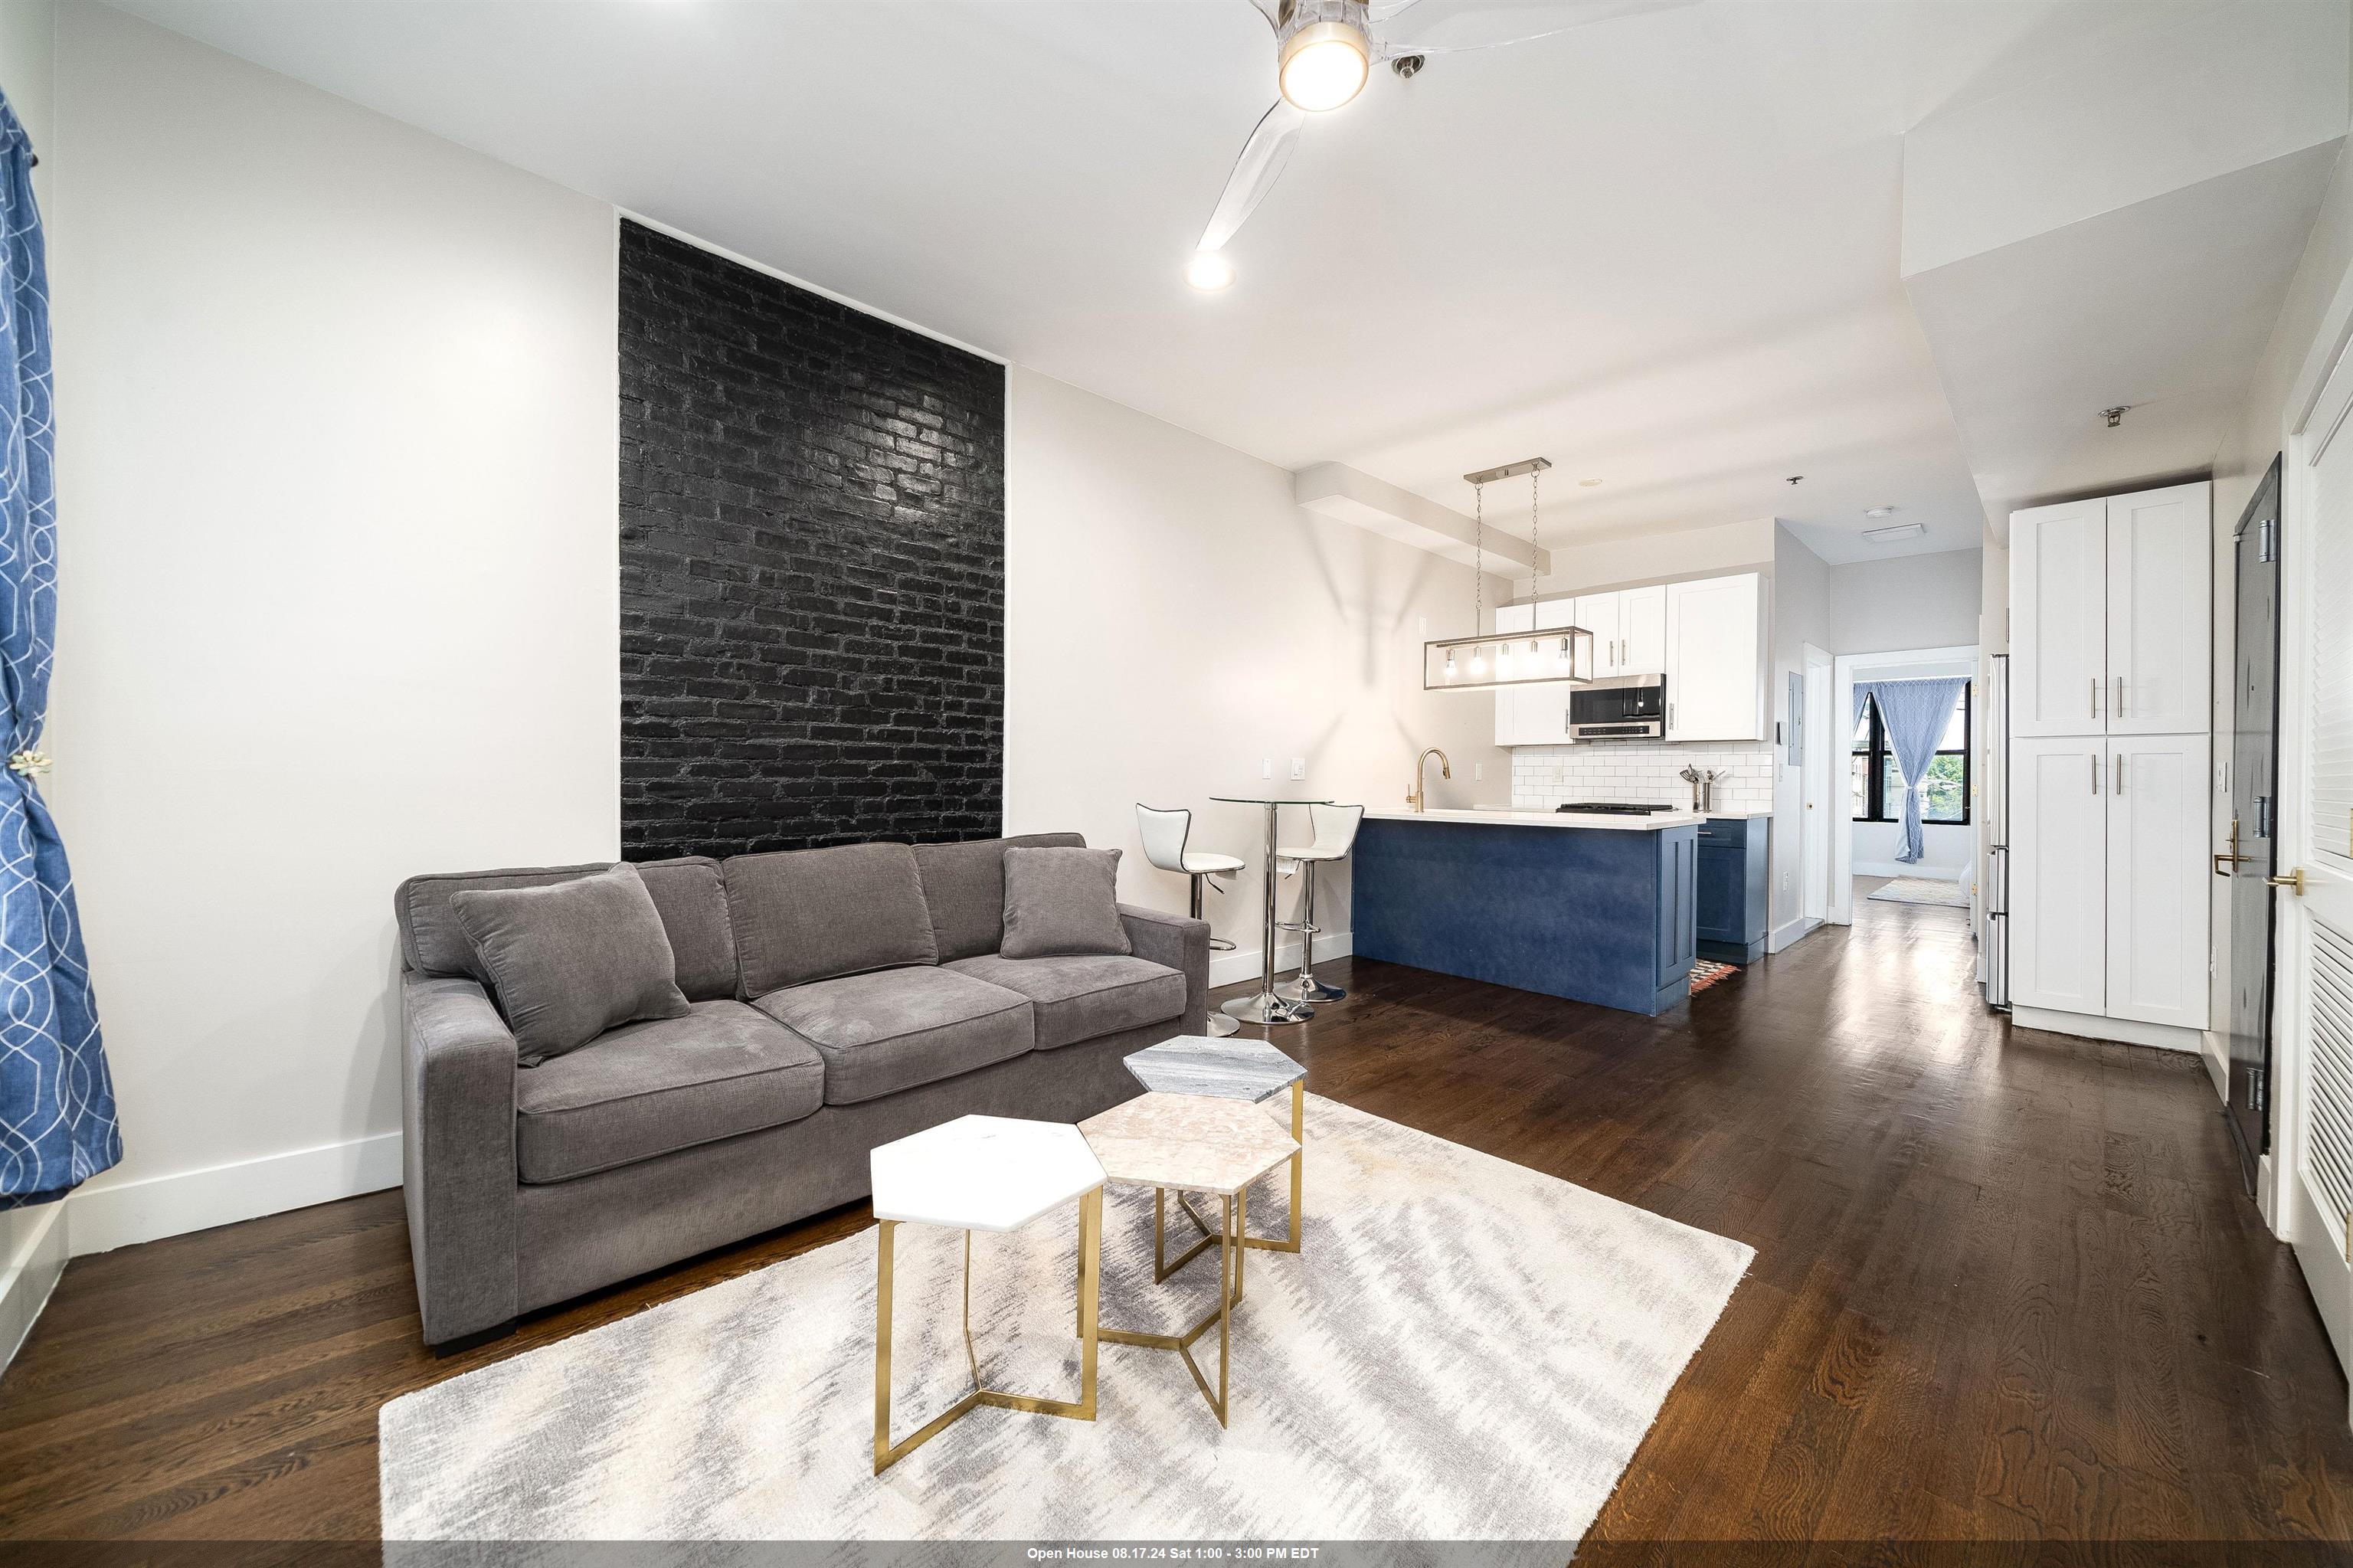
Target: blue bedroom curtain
{"points": [[1914, 713], [56, 1099]]}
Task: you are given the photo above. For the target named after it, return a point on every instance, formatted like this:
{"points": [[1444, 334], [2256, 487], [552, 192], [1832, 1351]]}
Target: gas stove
{"points": [[1610, 808]]}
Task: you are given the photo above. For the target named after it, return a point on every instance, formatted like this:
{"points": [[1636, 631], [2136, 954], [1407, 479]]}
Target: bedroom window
{"points": [[1878, 782]]}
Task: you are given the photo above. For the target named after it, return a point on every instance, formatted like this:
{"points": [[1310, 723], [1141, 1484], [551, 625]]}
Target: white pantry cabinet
{"points": [[2108, 614], [1713, 662], [2110, 781]]}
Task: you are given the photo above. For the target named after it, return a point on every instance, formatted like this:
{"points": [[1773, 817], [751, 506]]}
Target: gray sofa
{"points": [[841, 998]]}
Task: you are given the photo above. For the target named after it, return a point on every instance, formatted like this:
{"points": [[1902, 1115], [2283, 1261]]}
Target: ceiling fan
{"points": [[1325, 52]]}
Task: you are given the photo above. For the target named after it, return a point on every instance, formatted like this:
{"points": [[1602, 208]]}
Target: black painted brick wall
{"points": [[812, 567]]}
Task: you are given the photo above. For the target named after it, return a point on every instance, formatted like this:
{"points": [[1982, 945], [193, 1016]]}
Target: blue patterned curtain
{"points": [[57, 1100], [1914, 713]]}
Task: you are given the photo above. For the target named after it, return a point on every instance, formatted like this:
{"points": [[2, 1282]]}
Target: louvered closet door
{"points": [[2058, 886]]}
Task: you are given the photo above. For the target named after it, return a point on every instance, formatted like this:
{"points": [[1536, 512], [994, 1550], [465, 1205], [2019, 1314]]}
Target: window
{"points": [[1878, 782]]}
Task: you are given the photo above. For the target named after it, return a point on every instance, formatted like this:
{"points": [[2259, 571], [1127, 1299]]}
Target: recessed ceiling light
{"points": [[1588, 484], [1208, 271], [1324, 65], [1880, 512], [1888, 535]]}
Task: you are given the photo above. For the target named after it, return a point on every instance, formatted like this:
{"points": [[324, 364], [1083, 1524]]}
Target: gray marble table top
{"points": [[1234, 1068]]}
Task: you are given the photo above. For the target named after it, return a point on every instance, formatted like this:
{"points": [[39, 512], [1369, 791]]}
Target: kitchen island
{"points": [[1592, 907]]}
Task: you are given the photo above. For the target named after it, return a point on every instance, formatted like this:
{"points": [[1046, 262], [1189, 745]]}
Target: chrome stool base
{"points": [[1268, 1008], [1309, 989], [1220, 1026]]}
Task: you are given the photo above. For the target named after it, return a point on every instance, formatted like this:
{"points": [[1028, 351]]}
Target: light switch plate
{"points": [[1298, 769], [1266, 767], [1478, 770]]}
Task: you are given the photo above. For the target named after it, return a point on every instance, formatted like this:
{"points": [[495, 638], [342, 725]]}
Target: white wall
{"points": [[338, 589], [1906, 601], [1945, 850], [1173, 618]]}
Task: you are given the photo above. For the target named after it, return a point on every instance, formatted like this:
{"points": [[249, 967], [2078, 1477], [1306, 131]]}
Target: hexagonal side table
{"points": [[1194, 1144], [1237, 1068], [984, 1173]]}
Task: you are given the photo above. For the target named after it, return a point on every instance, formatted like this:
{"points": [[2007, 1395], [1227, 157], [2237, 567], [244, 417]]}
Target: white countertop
{"points": [[1507, 817]]}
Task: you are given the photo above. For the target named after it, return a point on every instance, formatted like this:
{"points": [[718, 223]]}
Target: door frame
{"points": [[1817, 788], [1845, 667]]}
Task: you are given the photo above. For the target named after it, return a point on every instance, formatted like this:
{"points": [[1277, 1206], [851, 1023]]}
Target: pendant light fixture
{"points": [[1550, 655]]}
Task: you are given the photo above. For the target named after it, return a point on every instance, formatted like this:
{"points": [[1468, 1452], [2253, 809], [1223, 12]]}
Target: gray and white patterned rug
{"points": [[1921, 890], [1466, 1350]]}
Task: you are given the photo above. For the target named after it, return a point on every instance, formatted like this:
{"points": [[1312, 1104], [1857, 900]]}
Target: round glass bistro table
{"points": [[1266, 1007]]}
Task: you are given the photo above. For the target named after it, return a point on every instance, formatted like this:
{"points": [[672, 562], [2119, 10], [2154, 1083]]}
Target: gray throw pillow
{"points": [[1062, 901], [568, 962]]}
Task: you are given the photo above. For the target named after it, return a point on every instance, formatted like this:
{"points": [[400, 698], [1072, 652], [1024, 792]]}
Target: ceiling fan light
{"points": [[1325, 65], [1208, 271]]}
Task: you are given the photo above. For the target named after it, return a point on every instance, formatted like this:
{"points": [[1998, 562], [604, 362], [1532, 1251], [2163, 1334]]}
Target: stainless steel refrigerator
{"points": [[1993, 802]]}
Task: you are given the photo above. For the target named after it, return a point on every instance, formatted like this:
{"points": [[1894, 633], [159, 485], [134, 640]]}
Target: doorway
{"points": [[1816, 774], [1901, 664]]}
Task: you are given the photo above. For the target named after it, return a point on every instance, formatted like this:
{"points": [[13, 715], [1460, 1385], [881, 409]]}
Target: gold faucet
{"points": [[1421, 766]]}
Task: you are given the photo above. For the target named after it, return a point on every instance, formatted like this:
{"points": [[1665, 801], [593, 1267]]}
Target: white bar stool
{"points": [[1335, 835], [1165, 833]]}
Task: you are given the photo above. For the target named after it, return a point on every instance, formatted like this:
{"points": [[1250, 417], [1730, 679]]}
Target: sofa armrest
{"points": [[1182, 943], [458, 1150]]}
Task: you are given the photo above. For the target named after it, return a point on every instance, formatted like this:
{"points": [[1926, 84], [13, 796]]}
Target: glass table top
{"points": [[1269, 800]]}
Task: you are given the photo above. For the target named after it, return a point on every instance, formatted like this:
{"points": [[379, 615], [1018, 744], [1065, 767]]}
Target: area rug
{"points": [[1705, 972], [1921, 890], [1466, 1350]]}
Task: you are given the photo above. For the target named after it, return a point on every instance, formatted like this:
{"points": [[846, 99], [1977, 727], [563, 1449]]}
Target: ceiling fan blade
{"points": [[1595, 11], [1255, 172]]}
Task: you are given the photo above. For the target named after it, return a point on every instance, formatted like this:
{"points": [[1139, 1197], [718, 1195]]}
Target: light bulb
{"points": [[1208, 271], [1502, 660], [1479, 661], [1450, 664], [1325, 65]]}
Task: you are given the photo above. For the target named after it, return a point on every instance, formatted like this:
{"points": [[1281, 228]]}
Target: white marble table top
{"points": [[1189, 1142], [1235, 1067], [982, 1172]]}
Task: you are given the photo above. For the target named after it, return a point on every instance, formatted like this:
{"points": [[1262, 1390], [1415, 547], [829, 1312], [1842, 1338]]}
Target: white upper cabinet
{"points": [[1713, 659], [1642, 631], [1541, 713], [2108, 617], [2058, 618], [1510, 618], [2160, 567], [1600, 614]]}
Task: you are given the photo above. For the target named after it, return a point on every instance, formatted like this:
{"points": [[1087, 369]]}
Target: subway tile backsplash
{"points": [[1547, 776]]}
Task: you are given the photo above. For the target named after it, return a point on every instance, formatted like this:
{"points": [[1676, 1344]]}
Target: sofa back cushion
{"points": [[692, 897], [687, 894], [572, 959], [810, 914], [964, 889]]}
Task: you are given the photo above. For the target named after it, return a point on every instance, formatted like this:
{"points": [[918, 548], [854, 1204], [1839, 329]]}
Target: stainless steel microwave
{"points": [[1618, 707]]}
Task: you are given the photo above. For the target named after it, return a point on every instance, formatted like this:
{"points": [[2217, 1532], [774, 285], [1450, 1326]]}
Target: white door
{"points": [[1642, 631], [1601, 613], [1509, 618], [2160, 611], [1822, 732], [1712, 659], [2058, 620], [2158, 872], [2058, 885]]}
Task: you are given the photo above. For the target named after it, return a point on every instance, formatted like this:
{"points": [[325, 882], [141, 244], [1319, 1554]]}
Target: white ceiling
{"points": [[1661, 249]]}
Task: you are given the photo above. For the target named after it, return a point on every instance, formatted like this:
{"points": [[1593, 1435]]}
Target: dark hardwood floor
{"points": [[2006, 1285]]}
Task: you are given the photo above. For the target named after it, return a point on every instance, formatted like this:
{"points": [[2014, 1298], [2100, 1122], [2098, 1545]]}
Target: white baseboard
{"points": [[1232, 968], [2216, 1049], [106, 1217], [1790, 932], [1897, 868], [2124, 1031], [30, 1271]]}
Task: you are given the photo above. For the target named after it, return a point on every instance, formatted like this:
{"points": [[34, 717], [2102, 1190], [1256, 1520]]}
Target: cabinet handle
{"points": [[2095, 696], [1671, 718], [2116, 777], [2095, 773], [2116, 708]]}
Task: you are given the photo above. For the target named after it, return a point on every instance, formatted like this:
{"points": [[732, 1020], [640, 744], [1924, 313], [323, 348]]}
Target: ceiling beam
{"points": [[1350, 495]]}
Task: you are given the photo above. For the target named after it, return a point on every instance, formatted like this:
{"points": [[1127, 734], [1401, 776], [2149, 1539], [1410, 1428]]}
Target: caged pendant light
{"points": [[1483, 661]]}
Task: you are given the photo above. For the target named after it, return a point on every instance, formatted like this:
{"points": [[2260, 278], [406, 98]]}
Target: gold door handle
{"points": [[2294, 879], [2230, 860]]}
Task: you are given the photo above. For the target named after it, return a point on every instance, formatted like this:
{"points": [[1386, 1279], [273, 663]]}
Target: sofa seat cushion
{"points": [[646, 1089], [895, 1029], [1079, 998]]}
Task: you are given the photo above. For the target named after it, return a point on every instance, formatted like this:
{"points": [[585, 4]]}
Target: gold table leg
{"points": [[1232, 1219], [1090, 1279], [1162, 1267]]}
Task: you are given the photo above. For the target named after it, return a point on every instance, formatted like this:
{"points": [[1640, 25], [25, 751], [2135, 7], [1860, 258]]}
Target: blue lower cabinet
{"points": [[1592, 913], [1735, 888]]}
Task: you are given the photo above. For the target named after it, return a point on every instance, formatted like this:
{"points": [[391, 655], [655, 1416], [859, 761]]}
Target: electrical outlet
{"points": [[1478, 770], [1266, 767], [1298, 769], [1784, 882]]}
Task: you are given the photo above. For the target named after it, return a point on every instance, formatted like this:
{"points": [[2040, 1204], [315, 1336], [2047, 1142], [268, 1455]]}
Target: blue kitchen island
{"points": [[1593, 908]]}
